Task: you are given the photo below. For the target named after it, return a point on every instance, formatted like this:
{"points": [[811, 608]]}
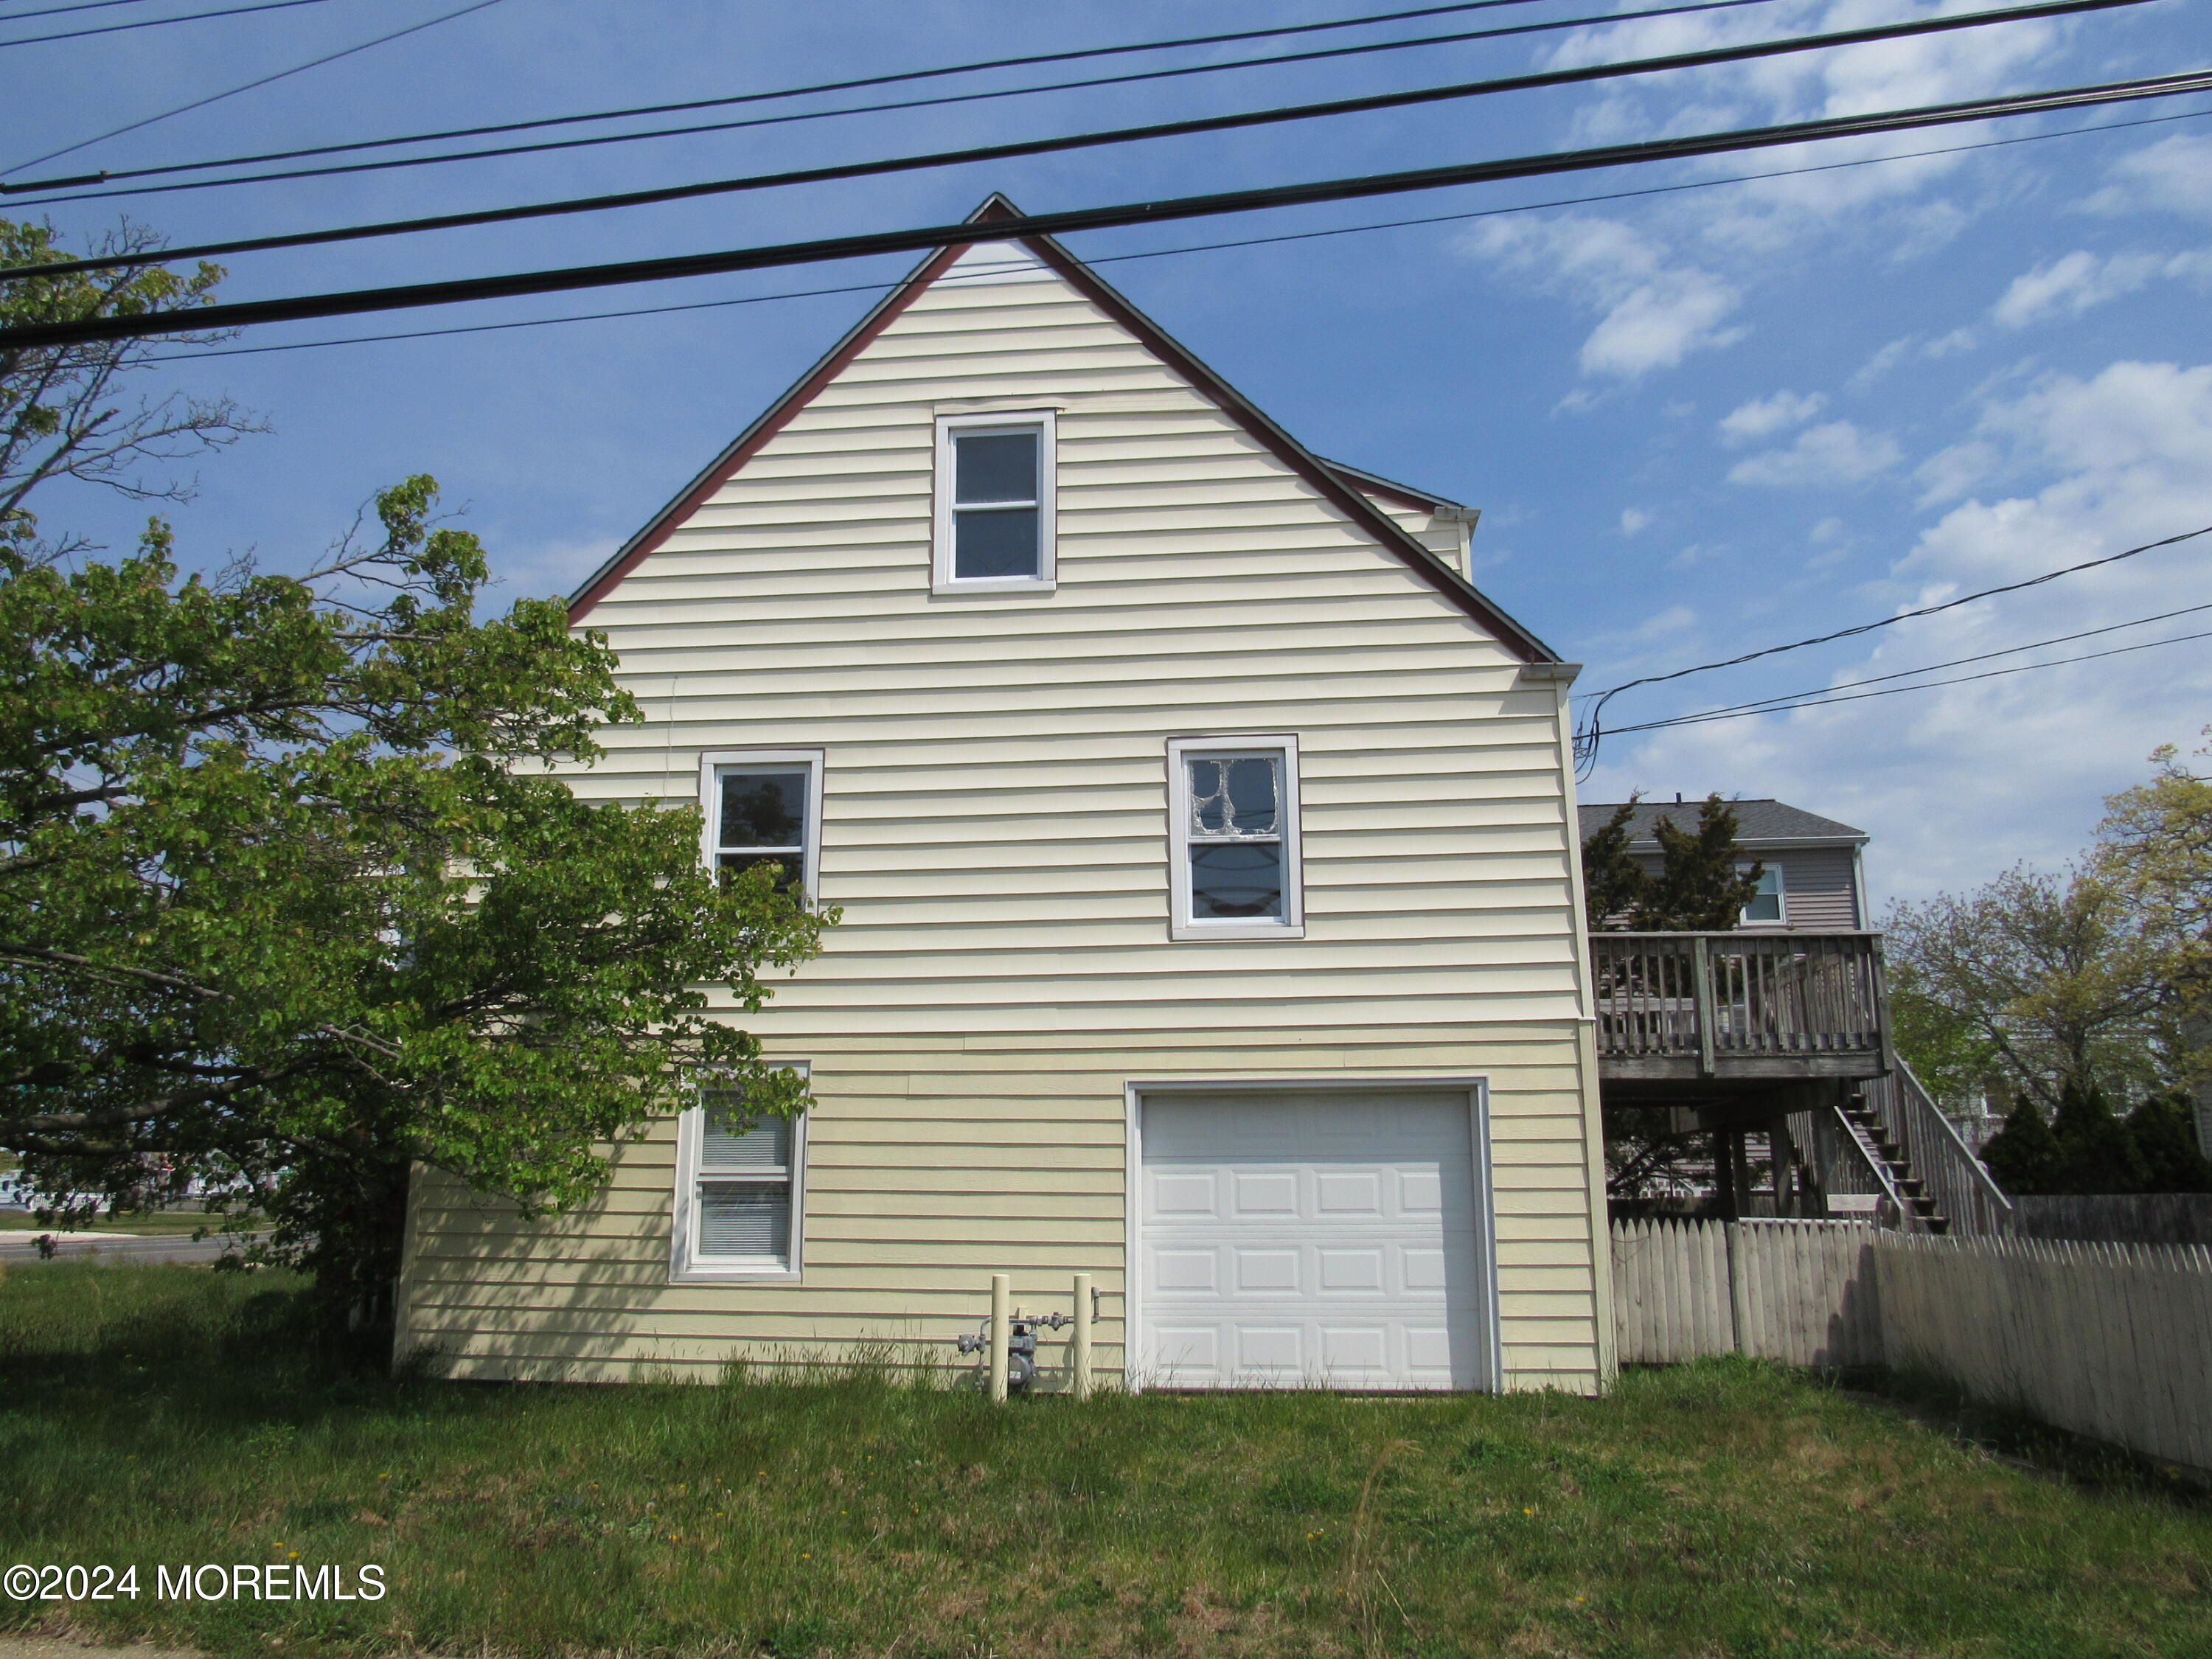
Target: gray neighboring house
{"points": [[1815, 880]]}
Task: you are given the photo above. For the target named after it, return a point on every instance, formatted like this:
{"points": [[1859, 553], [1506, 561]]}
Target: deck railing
{"points": [[1720, 996]]}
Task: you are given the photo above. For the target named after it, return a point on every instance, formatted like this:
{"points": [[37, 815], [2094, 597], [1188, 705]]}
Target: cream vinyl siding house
{"points": [[1350, 1139]]}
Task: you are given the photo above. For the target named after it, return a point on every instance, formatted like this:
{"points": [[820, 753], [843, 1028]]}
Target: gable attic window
{"points": [[993, 531], [740, 1191], [1233, 839], [765, 807]]}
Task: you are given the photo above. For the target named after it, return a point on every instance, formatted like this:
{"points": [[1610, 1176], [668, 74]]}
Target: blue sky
{"points": [[1698, 423]]}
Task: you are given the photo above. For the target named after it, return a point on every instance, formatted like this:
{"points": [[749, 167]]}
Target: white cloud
{"points": [[1764, 416], [1949, 473], [2067, 287], [1836, 453], [1880, 363], [2174, 174], [1633, 518], [1956, 783], [1654, 311], [1673, 620]]}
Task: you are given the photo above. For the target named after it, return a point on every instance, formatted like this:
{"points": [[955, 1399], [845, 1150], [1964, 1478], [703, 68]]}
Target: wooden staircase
{"points": [[1875, 1136]]}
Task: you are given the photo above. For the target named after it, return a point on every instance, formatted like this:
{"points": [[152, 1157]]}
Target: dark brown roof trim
{"points": [[1391, 490], [749, 443], [1342, 494]]}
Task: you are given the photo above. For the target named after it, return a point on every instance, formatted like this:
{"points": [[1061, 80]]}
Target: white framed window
{"points": [[765, 807], [740, 1191], [1768, 906], [995, 476], [1233, 852]]}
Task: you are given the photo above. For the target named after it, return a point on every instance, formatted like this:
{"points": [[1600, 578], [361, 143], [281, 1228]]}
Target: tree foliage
{"points": [[63, 410], [290, 902], [289, 898], [2087, 1147], [1702, 885], [2047, 980]]}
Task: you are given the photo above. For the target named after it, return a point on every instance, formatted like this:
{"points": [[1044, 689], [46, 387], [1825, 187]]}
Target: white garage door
{"points": [[1330, 1240]]}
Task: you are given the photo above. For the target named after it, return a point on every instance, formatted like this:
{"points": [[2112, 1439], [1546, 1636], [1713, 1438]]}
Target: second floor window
{"points": [[1766, 906], [1234, 839], [765, 807], [994, 503]]}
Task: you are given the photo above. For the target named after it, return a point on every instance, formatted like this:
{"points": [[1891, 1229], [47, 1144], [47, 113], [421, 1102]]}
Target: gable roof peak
{"points": [[952, 265]]}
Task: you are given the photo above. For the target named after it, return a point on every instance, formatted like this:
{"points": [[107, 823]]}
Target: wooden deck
{"points": [[1751, 1009]]}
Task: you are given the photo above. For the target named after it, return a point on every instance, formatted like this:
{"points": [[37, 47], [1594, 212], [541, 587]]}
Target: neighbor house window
{"points": [[1233, 838], [738, 1192], [765, 807], [1766, 904], [994, 502]]}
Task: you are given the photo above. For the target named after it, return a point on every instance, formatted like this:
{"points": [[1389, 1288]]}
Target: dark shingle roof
{"points": [[1757, 822]]}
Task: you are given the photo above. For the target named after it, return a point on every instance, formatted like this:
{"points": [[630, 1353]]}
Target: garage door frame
{"points": [[1476, 1088]]}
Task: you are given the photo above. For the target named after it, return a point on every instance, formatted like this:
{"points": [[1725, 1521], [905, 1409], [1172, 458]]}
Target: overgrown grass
{"points": [[162, 1415]]}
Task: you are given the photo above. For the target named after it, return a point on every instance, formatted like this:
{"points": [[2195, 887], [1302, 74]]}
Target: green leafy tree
{"points": [[1703, 881], [2024, 1155], [1614, 883], [289, 899], [64, 411], [2051, 977], [290, 902]]}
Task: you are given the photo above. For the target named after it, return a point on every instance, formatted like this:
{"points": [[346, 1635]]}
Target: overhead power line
{"points": [[1013, 225], [1196, 247], [1898, 690], [1782, 703], [249, 85], [147, 22], [789, 92], [1593, 732], [81, 5], [599, 139], [1117, 135]]}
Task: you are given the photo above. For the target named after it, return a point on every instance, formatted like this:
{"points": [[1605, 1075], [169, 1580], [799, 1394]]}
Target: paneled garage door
{"points": [[1330, 1240]]}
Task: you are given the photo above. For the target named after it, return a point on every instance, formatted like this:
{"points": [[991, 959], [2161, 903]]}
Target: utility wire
{"points": [[794, 92], [233, 92], [1593, 732], [81, 5], [1783, 701], [1897, 690], [148, 22], [545, 145], [1197, 247], [1114, 135], [1014, 226]]}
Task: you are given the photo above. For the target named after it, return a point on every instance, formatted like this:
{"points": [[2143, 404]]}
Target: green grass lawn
{"points": [[164, 1415]]}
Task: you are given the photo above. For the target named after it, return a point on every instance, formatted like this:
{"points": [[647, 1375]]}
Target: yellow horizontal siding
{"points": [[995, 830]]}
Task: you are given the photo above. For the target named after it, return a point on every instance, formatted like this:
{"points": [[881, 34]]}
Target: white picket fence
{"points": [[2111, 1341]]}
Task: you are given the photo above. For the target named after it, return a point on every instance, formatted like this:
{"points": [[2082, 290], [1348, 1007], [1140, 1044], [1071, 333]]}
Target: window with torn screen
{"points": [[1235, 842]]}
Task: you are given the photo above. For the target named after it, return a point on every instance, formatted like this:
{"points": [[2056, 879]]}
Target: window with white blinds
{"points": [[739, 1195]]}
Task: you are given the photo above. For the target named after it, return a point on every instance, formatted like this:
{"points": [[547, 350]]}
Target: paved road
{"points": [[18, 1248]]}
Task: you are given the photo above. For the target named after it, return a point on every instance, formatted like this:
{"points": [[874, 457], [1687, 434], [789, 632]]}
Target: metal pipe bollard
{"points": [[1001, 1326], [1082, 1340]]}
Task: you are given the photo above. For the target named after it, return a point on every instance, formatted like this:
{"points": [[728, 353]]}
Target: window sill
{"points": [[734, 1274], [1189, 931], [991, 586]]}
